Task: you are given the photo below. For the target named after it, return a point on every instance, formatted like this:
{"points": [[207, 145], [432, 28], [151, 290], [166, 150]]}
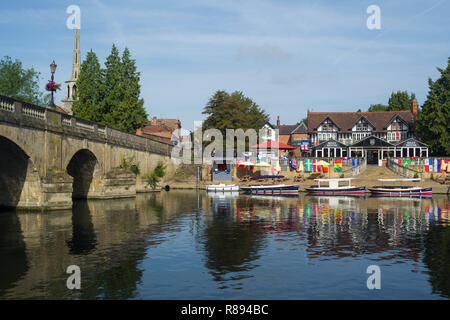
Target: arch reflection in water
{"points": [[230, 249], [13, 257], [83, 235]]}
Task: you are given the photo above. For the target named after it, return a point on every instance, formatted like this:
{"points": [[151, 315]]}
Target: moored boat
{"points": [[222, 187], [277, 189], [400, 191], [334, 188]]}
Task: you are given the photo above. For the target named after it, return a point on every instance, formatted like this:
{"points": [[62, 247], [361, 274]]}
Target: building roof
{"points": [[288, 129], [346, 120], [159, 130], [170, 124], [59, 109]]}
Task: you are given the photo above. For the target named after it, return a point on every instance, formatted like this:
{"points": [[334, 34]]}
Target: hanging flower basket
{"points": [[52, 86]]}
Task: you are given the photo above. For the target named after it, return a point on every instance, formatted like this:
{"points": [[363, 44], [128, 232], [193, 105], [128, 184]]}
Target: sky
{"points": [[287, 56]]}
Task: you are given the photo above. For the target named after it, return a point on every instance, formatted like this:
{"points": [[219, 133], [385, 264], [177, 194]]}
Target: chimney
{"points": [[278, 121], [153, 122], [414, 108]]}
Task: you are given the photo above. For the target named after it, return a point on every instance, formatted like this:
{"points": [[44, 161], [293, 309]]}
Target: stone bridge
{"points": [[47, 158]]}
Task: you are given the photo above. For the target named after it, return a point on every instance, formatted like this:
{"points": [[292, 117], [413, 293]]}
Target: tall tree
{"points": [[111, 88], [433, 125], [20, 83], [89, 95], [111, 95], [130, 113], [400, 100]]}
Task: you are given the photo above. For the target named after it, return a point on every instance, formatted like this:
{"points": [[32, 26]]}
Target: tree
{"points": [[233, 111], [377, 107], [89, 95], [129, 114], [304, 120], [400, 101], [111, 95], [433, 124], [111, 88], [19, 83]]}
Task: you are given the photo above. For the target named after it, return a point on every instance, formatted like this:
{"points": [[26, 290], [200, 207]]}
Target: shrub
{"points": [[341, 176], [128, 165], [155, 176]]}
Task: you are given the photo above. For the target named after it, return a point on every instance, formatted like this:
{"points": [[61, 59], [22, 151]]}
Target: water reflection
{"points": [[388, 230], [83, 235], [13, 259], [188, 244], [230, 249]]}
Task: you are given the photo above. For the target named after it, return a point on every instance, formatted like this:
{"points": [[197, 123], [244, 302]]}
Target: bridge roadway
{"points": [[47, 158]]}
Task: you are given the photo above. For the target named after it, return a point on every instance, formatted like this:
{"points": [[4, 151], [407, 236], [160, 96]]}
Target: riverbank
{"points": [[368, 178]]}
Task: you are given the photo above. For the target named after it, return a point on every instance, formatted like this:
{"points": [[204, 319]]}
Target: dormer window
{"points": [[362, 127]]}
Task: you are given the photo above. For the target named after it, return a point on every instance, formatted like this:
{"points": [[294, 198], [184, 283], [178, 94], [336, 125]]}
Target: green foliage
{"points": [[433, 123], [416, 175], [304, 120], [233, 111], [19, 83], [155, 176], [129, 165], [400, 101], [341, 176], [111, 95], [129, 114], [377, 107], [89, 94]]}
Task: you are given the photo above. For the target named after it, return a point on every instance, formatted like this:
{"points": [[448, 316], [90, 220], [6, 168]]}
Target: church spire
{"points": [[71, 87], [76, 57]]}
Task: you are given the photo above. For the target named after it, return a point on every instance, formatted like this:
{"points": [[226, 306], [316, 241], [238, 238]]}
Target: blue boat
{"points": [[401, 191], [278, 189]]}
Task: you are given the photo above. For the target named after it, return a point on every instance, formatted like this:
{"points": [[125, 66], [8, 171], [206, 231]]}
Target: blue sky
{"points": [[288, 56]]}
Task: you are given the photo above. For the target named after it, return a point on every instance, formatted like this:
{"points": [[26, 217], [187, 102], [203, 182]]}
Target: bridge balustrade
{"points": [[19, 112]]}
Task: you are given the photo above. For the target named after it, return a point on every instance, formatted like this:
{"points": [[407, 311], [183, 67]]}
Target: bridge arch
{"points": [[20, 184], [86, 170]]}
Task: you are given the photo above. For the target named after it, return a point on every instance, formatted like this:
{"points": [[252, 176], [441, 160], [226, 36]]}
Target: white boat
{"points": [[222, 187], [334, 188]]}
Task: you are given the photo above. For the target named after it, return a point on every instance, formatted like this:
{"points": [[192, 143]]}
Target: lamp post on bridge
{"points": [[52, 70]]}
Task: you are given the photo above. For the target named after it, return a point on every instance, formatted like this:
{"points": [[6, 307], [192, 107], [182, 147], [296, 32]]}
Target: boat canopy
{"points": [[333, 183]]}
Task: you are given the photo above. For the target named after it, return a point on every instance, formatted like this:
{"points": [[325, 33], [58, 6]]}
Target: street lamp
{"points": [[52, 70]]}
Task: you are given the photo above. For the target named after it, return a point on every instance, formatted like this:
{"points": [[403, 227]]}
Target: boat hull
{"points": [[358, 191], [222, 188], [272, 190], [401, 192]]}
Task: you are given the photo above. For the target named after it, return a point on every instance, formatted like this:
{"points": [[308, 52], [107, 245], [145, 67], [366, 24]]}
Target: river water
{"points": [[190, 245]]}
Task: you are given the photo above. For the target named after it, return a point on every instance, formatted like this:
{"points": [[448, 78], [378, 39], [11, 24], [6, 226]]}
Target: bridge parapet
{"points": [[26, 114]]}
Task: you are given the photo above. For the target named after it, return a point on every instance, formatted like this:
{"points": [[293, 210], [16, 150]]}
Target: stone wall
{"points": [[58, 156]]}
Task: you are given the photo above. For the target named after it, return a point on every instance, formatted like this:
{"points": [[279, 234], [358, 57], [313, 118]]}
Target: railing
{"points": [[15, 111], [6, 104], [402, 170], [30, 110], [354, 171]]}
